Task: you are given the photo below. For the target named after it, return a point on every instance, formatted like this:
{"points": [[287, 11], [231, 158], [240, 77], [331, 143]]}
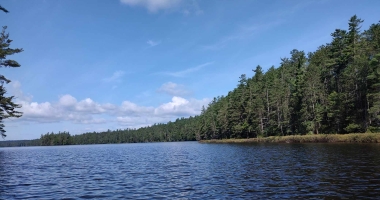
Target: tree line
{"points": [[335, 89], [183, 129]]}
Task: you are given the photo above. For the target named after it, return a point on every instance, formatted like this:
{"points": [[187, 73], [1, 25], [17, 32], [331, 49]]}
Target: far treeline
{"points": [[335, 89]]}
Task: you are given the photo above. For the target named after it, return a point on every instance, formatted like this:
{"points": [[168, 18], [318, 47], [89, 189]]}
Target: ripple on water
{"points": [[191, 170]]}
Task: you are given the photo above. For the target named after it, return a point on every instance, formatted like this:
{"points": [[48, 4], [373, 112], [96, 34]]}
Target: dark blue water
{"points": [[190, 170]]}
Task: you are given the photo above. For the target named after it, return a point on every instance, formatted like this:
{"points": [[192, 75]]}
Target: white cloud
{"points": [[116, 77], [153, 5], [133, 109], [187, 71], [91, 121], [14, 88], [141, 121], [173, 89], [181, 107], [41, 112], [185, 7], [89, 106], [79, 118], [66, 109], [67, 101], [153, 43], [87, 111]]}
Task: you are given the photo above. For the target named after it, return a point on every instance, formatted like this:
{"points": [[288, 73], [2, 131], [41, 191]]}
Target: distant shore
{"points": [[320, 138]]}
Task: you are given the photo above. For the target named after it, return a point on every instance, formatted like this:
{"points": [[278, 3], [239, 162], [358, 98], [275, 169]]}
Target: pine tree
{"points": [[373, 79], [7, 106], [354, 76], [314, 98]]}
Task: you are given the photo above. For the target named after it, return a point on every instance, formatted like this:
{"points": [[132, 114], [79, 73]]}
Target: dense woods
{"points": [[180, 130], [183, 129], [335, 89]]}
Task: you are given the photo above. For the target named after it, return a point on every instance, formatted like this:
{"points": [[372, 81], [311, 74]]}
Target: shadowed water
{"points": [[191, 170]]}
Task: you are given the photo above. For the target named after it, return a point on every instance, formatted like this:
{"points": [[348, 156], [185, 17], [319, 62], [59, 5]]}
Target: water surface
{"points": [[191, 170]]}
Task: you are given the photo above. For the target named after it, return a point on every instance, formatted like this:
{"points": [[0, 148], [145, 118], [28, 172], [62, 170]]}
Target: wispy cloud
{"points": [[246, 31], [153, 5], [296, 7], [187, 71], [116, 77], [173, 89], [192, 8], [15, 89], [153, 43], [254, 27], [185, 7]]}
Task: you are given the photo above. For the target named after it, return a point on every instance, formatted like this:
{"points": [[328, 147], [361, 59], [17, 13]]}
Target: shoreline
{"points": [[320, 138]]}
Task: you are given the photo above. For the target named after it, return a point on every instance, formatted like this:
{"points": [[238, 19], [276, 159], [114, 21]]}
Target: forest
{"points": [[335, 89]]}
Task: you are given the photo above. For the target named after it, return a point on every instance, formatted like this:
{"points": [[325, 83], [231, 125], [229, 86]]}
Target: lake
{"points": [[190, 170]]}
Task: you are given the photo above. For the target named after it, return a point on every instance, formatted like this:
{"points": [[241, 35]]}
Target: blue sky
{"points": [[115, 64]]}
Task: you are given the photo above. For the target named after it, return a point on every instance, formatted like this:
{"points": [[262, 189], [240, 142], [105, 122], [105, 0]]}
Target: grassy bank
{"points": [[321, 138]]}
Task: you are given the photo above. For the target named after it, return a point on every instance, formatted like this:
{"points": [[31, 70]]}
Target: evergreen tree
{"points": [[7, 105], [335, 89], [373, 78]]}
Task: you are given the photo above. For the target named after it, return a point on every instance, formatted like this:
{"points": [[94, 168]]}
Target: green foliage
{"points": [[352, 128], [322, 138], [3, 9], [7, 106], [51, 139], [335, 89], [184, 129], [20, 143]]}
